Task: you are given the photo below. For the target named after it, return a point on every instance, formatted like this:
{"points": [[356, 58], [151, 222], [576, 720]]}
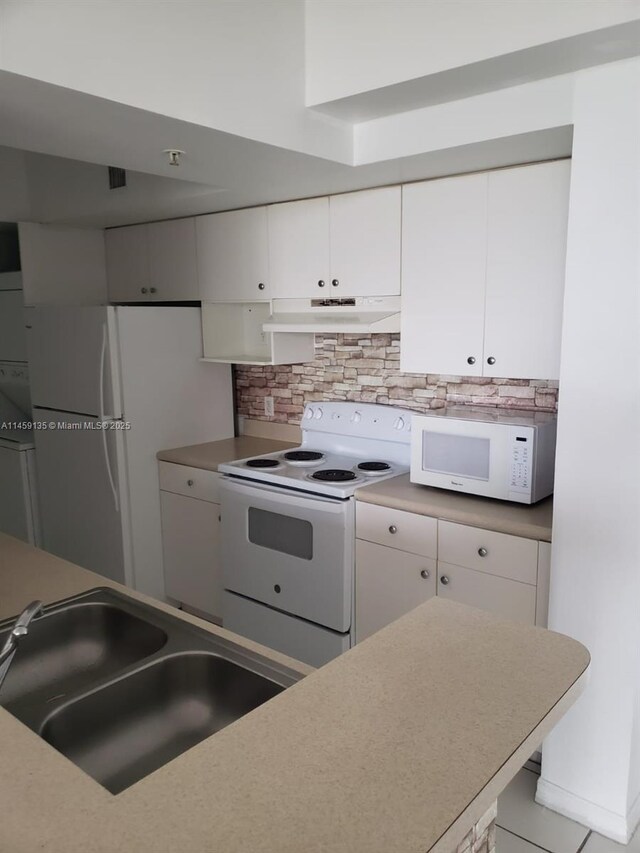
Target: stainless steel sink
{"points": [[121, 688], [76, 646], [122, 732]]}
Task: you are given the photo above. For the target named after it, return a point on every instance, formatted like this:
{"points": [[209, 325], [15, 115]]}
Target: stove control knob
{"points": [[308, 414], [398, 423], [318, 414], [356, 417]]}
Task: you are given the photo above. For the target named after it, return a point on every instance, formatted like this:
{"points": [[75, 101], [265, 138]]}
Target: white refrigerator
{"points": [[136, 371]]}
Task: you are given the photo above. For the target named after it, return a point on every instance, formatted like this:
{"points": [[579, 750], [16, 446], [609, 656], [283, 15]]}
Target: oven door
{"points": [[290, 550]]}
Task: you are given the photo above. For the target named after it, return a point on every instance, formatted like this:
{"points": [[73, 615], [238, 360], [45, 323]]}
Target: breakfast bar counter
{"points": [[402, 744]]}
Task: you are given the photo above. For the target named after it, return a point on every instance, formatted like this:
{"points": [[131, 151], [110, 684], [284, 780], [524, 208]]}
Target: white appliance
{"points": [[18, 502], [288, 528], [497, 453], [359, 314], [111, 387]]}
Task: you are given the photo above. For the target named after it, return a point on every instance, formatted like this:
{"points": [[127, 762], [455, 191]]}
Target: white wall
{"points": [[234, 66], [588, 767], [354, 46], [62, 265]]}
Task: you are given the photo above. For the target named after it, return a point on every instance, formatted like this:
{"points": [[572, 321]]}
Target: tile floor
{"points": [[525, 827]]}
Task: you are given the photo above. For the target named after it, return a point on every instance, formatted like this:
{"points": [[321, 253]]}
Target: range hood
{"points": [[360, 314]]}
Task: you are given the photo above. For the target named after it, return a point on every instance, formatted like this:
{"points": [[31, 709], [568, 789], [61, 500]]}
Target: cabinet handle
{"points": [[321, 283], [393, 528], [425, 573], [334, 282], [444, 580], [471, 360], [219, 518], [482, 552], [153, 290], [143, 290], [189, 482], [491, 360], [261, 286]]}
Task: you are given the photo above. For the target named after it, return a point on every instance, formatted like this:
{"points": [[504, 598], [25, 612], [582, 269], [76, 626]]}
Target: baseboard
{"points": [[618, 827]]}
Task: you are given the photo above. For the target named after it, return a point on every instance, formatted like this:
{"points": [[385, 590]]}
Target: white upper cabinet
{"points": [[299, 248], [483, 260], [172, 261], [444, 253], [128, 274], [527, 244], [233, 256], [365, 230], [337, 246], [152, 263]]}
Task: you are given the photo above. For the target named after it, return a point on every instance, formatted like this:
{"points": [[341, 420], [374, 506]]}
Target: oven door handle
{"points": [[284, 497]]}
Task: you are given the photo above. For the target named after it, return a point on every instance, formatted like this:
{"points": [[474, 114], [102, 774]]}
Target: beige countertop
{"points": [[213, 453], [532, 522], [401, 744]]}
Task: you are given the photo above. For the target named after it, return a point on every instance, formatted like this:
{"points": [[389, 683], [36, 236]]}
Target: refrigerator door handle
{"points": [[103, 417]]}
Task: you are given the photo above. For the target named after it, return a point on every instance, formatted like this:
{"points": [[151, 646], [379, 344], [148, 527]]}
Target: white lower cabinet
{"points": [[503, 574], [507, 598], [389, 583], [190, 537]]}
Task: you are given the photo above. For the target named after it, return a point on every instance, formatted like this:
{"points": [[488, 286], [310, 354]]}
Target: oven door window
{"points": [[282, 533], [457, 455]]}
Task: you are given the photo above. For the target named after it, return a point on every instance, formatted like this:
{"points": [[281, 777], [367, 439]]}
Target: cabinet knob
{"points": [[471, 360], [261, 286], [491, 360], [482, 552], [393, 528], [425, 573], [153, 290], [189, 482], [444, 580], [321, 283], [334, 282], [143, 290]]}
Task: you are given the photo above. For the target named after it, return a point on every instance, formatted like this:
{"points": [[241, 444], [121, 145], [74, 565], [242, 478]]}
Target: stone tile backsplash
{"points": [[367, 370]]}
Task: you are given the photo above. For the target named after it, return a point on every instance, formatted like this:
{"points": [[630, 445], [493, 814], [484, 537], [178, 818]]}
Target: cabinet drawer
{"points": [[395, 528], [506, 598], [487, 551], [193, 482], [389, 583]]}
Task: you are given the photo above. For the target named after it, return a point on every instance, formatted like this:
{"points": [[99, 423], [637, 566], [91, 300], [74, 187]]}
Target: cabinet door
{"points": [[190, 537], [389, 583], [172, 260], [365, 243], [299, 248], [509, 599], [444, 228], [128, 272], [527, 241], [233, 256]]}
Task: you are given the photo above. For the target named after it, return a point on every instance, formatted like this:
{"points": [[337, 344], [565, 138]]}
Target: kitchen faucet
{"points": [[20, 629]]}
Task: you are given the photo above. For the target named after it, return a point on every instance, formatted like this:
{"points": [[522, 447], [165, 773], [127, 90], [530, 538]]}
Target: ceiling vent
{"points": [[117, 178]]}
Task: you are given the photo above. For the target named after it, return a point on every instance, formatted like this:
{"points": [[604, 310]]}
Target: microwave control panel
{"points": [[520, 473]]}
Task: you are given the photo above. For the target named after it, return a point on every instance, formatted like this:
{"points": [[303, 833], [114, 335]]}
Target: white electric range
{"points": [[288, 528]]}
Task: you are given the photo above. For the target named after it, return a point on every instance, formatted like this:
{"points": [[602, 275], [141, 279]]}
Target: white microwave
{"points": [[505, 454]]}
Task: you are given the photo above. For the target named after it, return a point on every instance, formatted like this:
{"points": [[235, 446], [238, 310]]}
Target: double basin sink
{"points": [[121, 688]]}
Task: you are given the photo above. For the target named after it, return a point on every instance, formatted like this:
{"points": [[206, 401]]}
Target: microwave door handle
{"points": [[103, 417]]}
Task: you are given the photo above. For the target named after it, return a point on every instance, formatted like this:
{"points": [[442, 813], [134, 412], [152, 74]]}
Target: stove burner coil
{"points": [[303, 455], [334, 475], [262, 463], [374, 466]]}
